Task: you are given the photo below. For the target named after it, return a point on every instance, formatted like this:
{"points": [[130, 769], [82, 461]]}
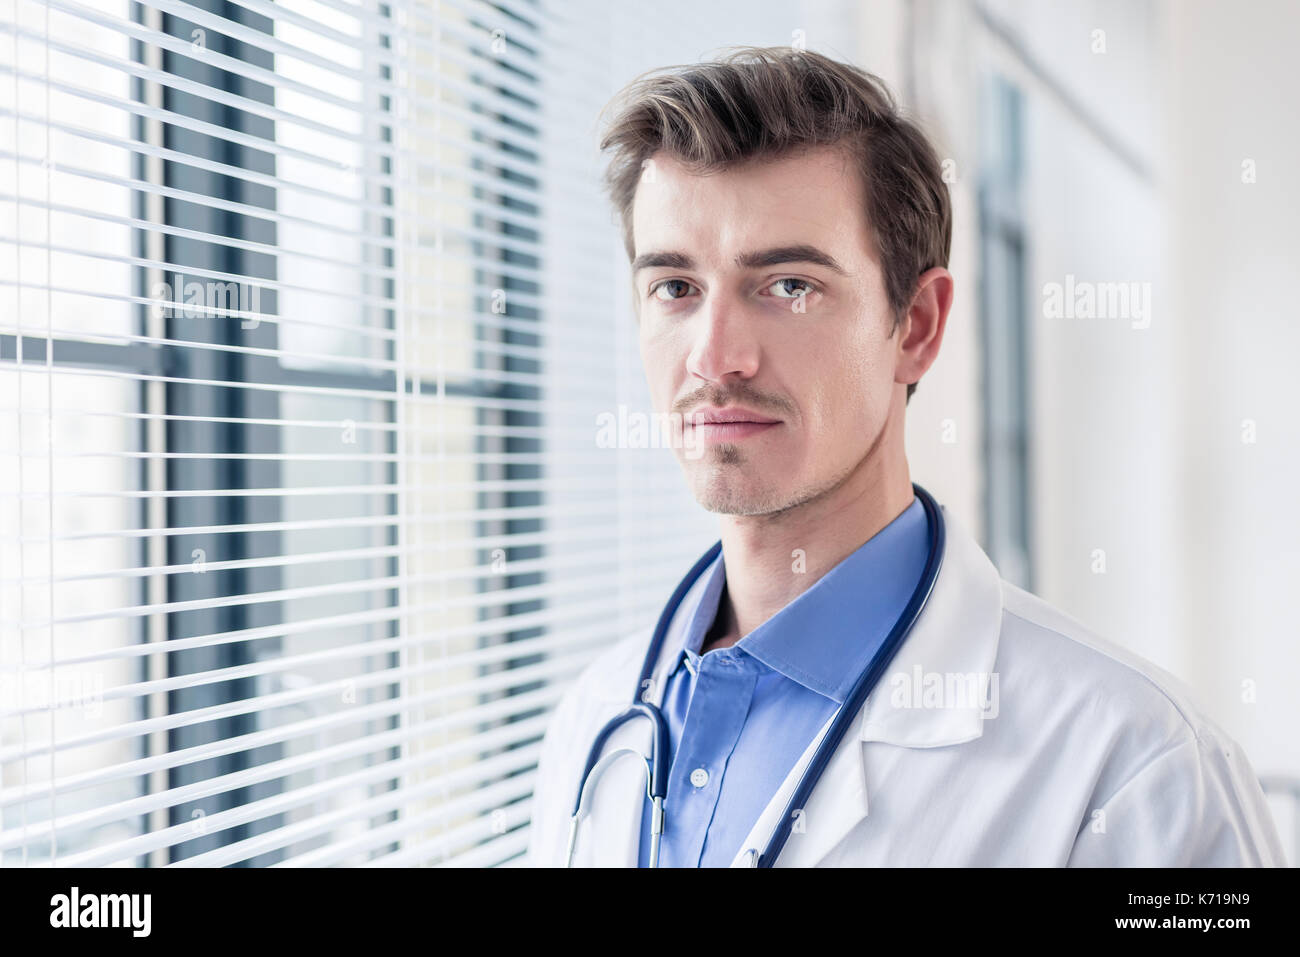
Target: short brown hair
{"points": [[764, 102]]}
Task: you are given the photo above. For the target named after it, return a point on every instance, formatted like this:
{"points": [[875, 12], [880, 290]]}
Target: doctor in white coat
{"points": [[1081, 754], [789, 234]]}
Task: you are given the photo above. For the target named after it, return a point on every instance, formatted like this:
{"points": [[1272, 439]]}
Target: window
{"points": [[306, 528], [1004, 330]]}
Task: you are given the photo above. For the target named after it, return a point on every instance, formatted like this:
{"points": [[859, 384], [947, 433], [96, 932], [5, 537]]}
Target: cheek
{"points": [[660, 360], [849, 387]]}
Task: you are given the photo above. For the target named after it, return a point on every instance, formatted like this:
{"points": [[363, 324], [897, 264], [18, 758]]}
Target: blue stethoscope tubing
{"points": [[657, 765]]}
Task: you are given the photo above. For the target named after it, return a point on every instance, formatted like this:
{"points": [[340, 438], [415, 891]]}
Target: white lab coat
{"points": [[1091, 757]]}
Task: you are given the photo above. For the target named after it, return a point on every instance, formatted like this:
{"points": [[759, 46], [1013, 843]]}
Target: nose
{"points": [[725, 341]]}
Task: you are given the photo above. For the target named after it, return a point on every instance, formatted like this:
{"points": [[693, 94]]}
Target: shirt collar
{"points": [[702, 616], [825, 637]]}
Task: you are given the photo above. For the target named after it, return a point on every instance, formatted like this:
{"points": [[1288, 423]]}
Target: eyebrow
{"points": [[801, 253]]}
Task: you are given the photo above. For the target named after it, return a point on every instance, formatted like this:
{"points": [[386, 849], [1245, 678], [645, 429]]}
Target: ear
{"points": [[922, 328]]}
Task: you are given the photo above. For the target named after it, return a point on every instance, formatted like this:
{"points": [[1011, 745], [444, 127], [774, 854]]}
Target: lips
{"points": [[728, 416], [729, 425]]}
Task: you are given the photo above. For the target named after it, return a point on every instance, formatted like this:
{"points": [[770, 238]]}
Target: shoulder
{"points": [[604, 683], [1166, 783], [1070, 660], [589, 699], [610, 675]]}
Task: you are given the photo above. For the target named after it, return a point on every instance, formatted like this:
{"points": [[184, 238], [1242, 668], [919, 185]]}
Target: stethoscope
{"points": [[657, 766]]}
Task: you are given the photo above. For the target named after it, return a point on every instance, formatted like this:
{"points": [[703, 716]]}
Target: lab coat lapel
{"points": [[835, 806], [956, 634], [955, 638]]}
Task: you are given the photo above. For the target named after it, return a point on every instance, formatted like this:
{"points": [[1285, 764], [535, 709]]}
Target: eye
{"points": [[658, 290], [785, 290]]}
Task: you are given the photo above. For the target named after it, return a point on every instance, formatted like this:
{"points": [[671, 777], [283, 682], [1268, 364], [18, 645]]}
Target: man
{"points": [[789, 234]]}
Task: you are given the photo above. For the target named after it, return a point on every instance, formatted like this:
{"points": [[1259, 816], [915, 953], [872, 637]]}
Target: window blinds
{"points": [[307, 313]]}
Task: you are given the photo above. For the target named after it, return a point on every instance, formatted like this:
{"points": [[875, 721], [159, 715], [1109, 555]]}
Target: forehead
{"points": [[815, 196]]}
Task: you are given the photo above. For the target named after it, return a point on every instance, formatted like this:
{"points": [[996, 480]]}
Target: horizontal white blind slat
{"points": [[358, 747], [282, 184], [484, 599], [483, 796], [297, 797], [497, 800], [371, 521], [499, 851], [517, 539], [333, 689], [271, 666], [498, 709], [441, 849]]}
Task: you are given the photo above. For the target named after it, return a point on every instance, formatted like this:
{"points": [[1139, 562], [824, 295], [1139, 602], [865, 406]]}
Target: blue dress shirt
{"points": [[740, 717]]}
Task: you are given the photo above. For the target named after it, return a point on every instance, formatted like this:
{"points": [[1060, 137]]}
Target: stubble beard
{"points": [[720, 486]]}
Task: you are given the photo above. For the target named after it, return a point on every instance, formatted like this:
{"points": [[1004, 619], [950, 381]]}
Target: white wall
{"points": [[1230, 87], [1135, 173]]}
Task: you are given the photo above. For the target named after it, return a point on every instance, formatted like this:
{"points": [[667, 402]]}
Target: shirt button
{"points": [[699, 777]]}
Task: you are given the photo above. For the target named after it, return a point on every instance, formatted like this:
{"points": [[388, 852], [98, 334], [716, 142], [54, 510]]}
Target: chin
{"points": [[736, 498], [735, 507]]}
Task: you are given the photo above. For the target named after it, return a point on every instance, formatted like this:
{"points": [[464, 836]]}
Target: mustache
{"points": [[709, 395]]}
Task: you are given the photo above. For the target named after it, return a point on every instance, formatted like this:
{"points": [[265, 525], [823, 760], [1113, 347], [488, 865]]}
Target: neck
{"points": [[772, 559]]}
